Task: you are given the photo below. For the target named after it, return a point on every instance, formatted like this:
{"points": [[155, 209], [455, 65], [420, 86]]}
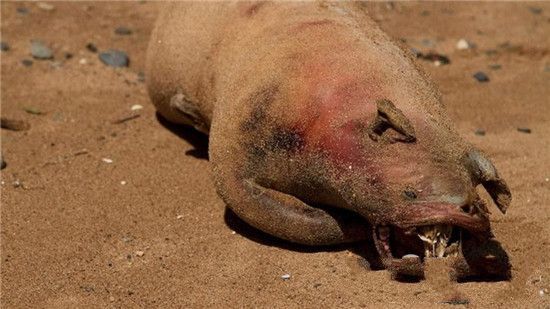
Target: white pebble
{"points": [[140, 253], [83, 61], [179, 217], [285, 276], [136, 107], [547, 179], [107, 160], [462, 44], [45, 6], [123, 182], [233, 232]]}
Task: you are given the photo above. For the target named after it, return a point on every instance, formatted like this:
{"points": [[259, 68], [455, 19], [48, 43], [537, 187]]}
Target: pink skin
{"points": [[337, 113]]}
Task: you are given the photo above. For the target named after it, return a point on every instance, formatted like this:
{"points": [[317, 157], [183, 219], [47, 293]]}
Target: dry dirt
{"points": [[148, 229]]}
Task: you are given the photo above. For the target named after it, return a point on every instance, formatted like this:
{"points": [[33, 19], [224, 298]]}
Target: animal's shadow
{"points": [[366, 250], [198, 140]]}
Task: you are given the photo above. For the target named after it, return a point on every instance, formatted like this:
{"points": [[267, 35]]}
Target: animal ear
{"points": [[484, 172], [390, 117]]}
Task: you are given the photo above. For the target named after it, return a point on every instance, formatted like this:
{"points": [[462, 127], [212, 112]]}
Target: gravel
{"points": [[40, 51], [481, 77], [91, 47], [479, 132], [4, 46], [123, 31], [2, 163], [22, 10], [114, 58], [27, 62], [524, 130], [45, 6]]}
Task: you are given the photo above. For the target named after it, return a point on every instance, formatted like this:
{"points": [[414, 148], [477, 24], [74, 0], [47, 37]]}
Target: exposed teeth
{"points": [[436, 238]]}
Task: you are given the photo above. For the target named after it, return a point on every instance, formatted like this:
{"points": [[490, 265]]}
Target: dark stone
{"points": [[22, 10], [479, 132], [114, 58], [27, 62], [68, 55], [123, 31], [91, 47], [481, 77], [40, 51], [416, 52], [4, 46], [524, 130], [433, 57], [2, 163], [535, 10]]}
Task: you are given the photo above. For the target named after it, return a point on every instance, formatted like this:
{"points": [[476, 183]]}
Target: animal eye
{"points": [[410, 193]]}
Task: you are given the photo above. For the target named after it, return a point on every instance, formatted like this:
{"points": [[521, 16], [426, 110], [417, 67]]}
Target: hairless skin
{"points": [[311, 109]]}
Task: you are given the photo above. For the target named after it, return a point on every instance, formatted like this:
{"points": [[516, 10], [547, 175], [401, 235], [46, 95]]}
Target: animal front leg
{"points": [[285, 216]]}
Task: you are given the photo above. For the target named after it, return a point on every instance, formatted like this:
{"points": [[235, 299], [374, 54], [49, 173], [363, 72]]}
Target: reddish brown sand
{"points": [[72, 232]]}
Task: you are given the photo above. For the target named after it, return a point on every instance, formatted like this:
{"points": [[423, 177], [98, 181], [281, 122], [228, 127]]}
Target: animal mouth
{"points": [[434, 230], [427, 241]]}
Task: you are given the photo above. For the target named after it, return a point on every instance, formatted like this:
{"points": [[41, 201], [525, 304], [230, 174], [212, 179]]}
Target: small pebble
{"points": [[233, 232], [179, 217], [111, 299], [114, 58], [285, 276], [524, 130], [436, 58], [123, 31], [26, 62], [535, 10], [136, 107], [4, 46], [479, 132], [14, 124], [45, 6], [141, 77], [2, 163], [22, 10], [40, 51], [481, 77], [107, 160], [17, 183], [68, 55], [33, 110], [123, 182], [417, 53], [83, 61], [462, 44], [91, 47], [140, 253]]}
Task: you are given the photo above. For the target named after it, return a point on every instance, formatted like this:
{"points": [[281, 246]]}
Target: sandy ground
{"points": [[148, 229]]}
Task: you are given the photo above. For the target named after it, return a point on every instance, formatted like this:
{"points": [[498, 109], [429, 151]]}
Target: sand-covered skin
{"points": [[71, 234]]}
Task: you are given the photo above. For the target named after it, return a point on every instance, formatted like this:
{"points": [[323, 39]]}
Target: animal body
{"points": [[323, 131]]}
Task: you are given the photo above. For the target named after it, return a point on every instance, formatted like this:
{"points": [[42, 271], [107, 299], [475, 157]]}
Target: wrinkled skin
{"points": [[322, 130]]}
